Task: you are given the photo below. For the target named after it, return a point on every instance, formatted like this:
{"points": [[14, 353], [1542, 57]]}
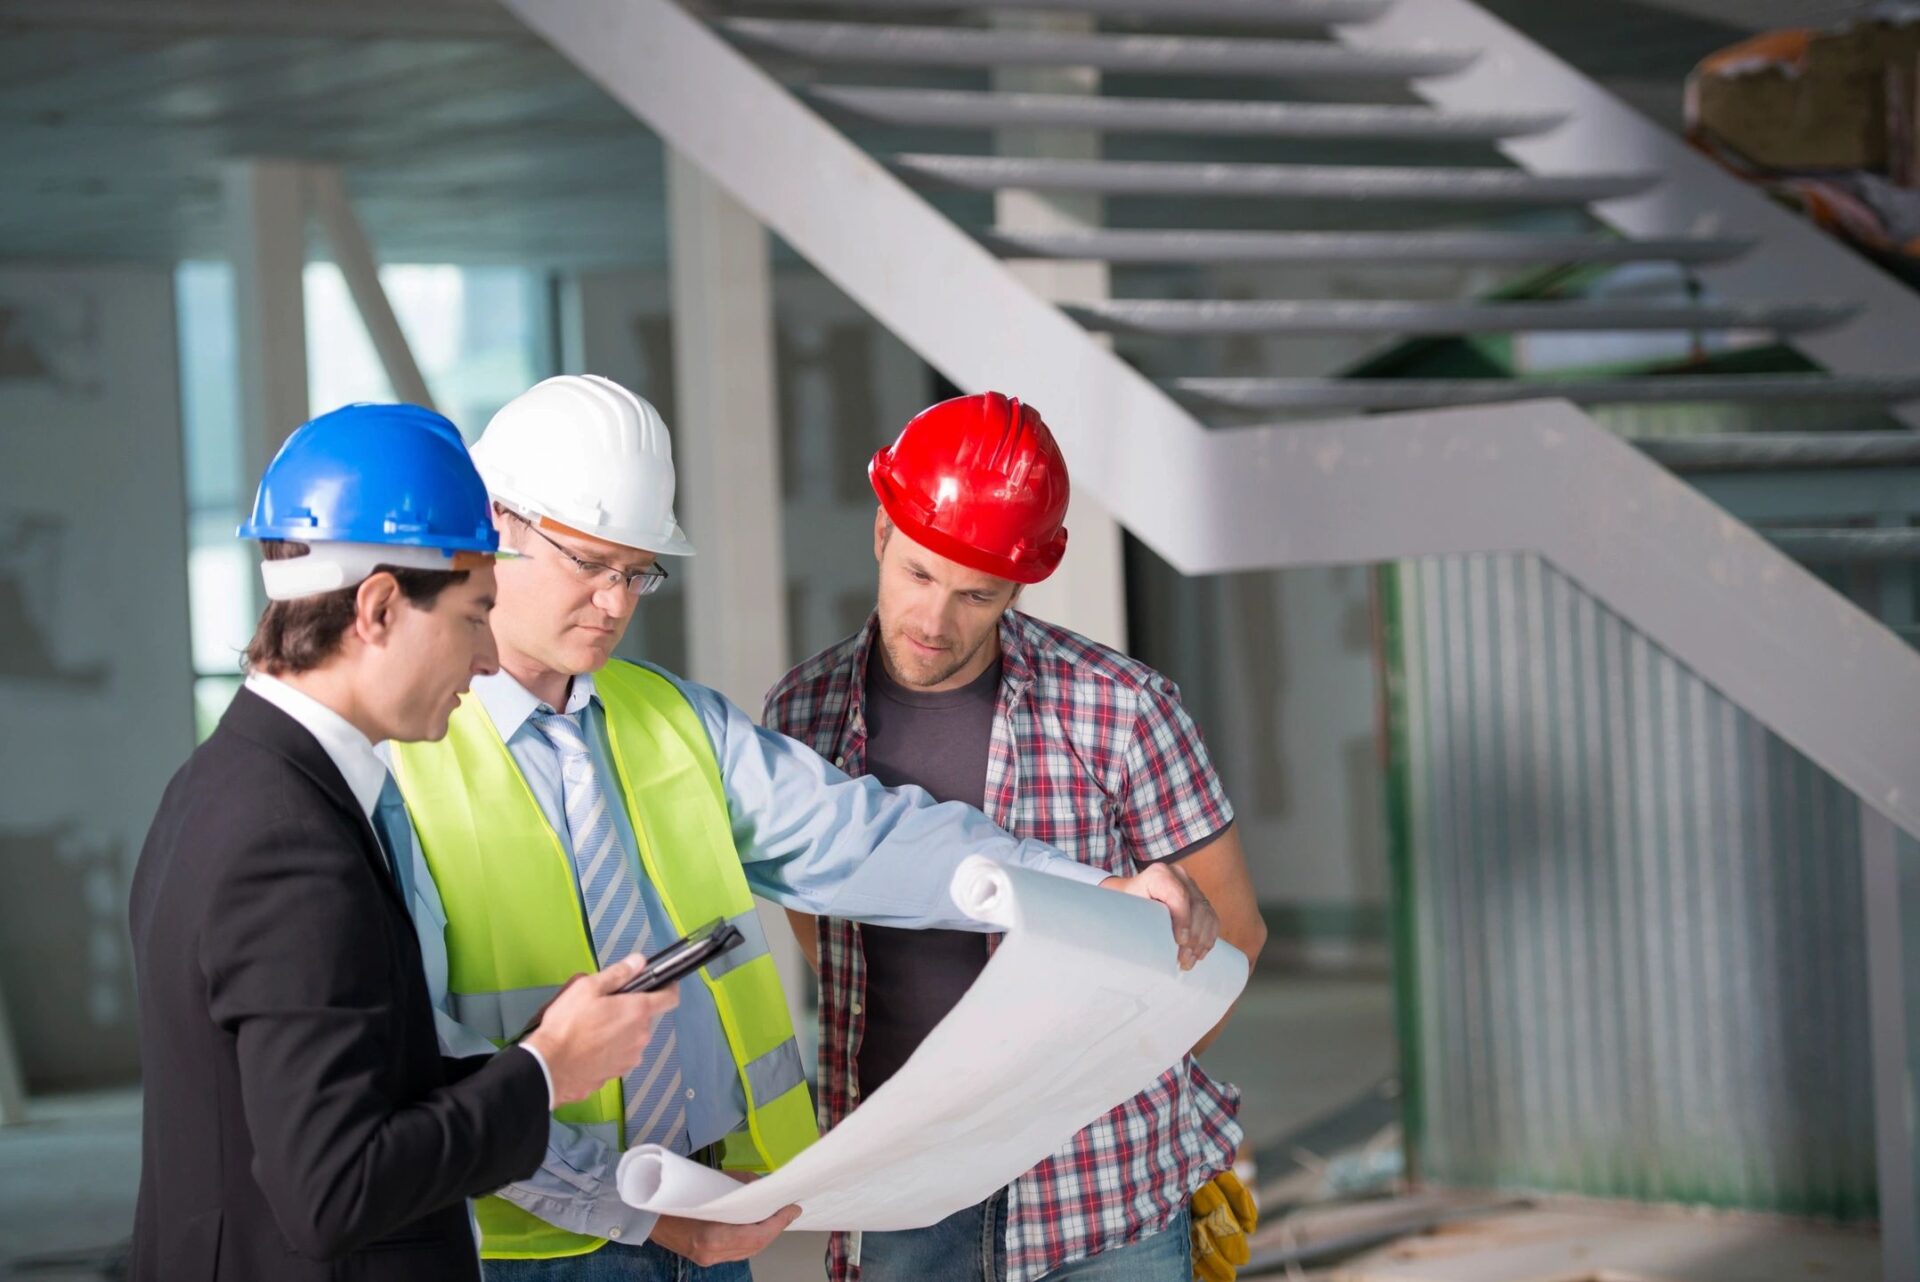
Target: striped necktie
{"points": [[656, 1110]]}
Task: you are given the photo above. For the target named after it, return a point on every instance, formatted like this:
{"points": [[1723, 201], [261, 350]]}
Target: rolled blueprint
{"points": [[1082, 1006]]}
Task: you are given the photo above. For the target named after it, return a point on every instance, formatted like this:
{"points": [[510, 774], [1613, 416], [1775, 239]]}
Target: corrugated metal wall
{"points": [[1630, 918]]}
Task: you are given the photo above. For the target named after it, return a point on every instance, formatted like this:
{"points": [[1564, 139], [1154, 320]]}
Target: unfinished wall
{"points": [[1636, 916], [95, 689], [1278, 670]]}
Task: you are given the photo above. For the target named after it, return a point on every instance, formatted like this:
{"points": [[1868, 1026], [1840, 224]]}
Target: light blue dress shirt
{"points": [[808, 836]]}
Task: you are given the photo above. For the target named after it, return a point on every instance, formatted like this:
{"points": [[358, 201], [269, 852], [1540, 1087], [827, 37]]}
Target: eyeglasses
{"points": [[636, 582]]}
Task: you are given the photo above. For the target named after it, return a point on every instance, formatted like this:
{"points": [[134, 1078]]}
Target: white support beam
{"points": [[353, 254], [266, 229], [1088, 593], [727, 445]]}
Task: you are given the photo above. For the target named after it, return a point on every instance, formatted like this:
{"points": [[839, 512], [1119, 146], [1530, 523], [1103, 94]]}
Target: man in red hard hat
{"points": [[1055, 737]]}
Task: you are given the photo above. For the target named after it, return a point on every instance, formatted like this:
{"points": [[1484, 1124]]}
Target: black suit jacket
{"points": [[300, 1120]]}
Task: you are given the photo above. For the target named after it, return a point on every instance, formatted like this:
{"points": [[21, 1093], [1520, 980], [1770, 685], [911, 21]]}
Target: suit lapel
{"points": [[259, 722]]}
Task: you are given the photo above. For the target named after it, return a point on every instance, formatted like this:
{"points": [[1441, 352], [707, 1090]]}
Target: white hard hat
{"points": [[589, 454]]}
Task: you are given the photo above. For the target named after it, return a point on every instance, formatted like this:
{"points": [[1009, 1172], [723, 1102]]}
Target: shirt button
{"points": [[858, 1009], [614, 1232], [839, 763], [689, 1092]]}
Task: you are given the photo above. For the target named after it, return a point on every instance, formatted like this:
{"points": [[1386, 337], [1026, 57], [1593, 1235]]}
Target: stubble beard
{"points": [[909, 667]]}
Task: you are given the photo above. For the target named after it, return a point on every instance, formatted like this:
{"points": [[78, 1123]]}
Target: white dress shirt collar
{"points": [[350, 751], [509, 704]]}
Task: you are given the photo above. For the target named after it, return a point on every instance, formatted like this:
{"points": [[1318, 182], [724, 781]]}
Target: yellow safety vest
{"points": [[516, 933]]}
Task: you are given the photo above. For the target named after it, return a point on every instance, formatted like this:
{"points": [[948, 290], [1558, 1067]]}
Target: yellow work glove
{"points": [[1223, 1216]]}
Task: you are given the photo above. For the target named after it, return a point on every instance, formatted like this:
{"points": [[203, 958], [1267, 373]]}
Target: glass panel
{"points": [[211, 695], [481, 335], [217, 565]]}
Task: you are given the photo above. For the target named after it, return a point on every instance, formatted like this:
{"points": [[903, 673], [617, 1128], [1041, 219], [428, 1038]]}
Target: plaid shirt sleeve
{"points": [[1173, 798]]}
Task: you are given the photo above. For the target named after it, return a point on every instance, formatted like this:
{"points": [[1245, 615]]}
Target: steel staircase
{"points": [[1235, 136], [815, 52], [826, 47]]}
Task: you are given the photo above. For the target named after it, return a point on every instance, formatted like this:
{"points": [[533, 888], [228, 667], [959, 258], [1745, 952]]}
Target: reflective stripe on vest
{"points": [[515, 932]]}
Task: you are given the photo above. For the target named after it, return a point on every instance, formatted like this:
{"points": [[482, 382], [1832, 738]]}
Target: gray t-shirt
{"points": [[940, 741]]}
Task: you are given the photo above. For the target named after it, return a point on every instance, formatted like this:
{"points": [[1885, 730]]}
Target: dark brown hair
{"points": [[302, 634]]}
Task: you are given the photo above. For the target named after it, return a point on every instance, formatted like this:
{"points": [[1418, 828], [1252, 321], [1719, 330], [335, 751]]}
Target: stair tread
{"points": [[1771, 451], [969, 109], [1321, 182], [1196, 317], [870, 43], [1394, 394], [1292, 13], [1846, 545], [1152, 246]]}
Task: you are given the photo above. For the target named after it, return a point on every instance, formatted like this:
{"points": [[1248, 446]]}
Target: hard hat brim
{"points": [[941, 543], [674, 543]]}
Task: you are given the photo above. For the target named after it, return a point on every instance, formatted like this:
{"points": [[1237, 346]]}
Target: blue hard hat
{"points": [[392, 474]]}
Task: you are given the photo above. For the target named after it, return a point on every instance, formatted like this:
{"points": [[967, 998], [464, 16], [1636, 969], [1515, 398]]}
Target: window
{"points": [[482, 335]]}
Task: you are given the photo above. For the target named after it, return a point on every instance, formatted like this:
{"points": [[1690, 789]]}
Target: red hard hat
{"points": [[978, 480]]}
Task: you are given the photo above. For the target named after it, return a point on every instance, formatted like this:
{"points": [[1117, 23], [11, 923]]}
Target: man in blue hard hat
{"points": [[300, 1120]]}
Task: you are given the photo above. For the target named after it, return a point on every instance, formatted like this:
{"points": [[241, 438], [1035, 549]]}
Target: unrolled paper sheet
{"points": [[1082, 1006]]}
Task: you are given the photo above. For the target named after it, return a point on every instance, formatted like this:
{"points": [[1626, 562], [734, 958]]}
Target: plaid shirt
{"points": [[1092, 754]]}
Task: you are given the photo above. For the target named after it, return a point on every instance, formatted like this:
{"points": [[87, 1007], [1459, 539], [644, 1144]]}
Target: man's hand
{"points": [[708, 1244], [1195, 928], [590, 1033]]}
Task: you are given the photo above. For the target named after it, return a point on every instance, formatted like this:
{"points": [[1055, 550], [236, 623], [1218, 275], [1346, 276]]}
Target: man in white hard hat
{"points": [[582, 807]]}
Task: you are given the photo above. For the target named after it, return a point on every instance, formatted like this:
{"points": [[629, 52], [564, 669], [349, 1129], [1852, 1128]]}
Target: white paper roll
{"points": [[981, 890], [1082, 1006], [651, 1174]]}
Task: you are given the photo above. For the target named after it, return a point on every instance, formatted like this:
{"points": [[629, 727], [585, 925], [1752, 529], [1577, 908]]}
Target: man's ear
{"points": [[376, 607], [882, 531]]}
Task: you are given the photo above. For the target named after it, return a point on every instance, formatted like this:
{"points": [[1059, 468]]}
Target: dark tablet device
{"points": [[686, 955], [676, 961]]}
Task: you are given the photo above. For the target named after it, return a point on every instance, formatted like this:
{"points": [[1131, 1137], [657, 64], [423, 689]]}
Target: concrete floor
{"points": [[1296, 1048]]}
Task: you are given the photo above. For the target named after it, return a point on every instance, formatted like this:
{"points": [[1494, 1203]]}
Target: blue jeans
{"points": [[615, 1262], [971, 1246]]}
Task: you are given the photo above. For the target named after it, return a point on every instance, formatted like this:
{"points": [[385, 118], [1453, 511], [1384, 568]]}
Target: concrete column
{"points": [[1088, 592], [727, 451], [726, 438], [267, 233]]}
